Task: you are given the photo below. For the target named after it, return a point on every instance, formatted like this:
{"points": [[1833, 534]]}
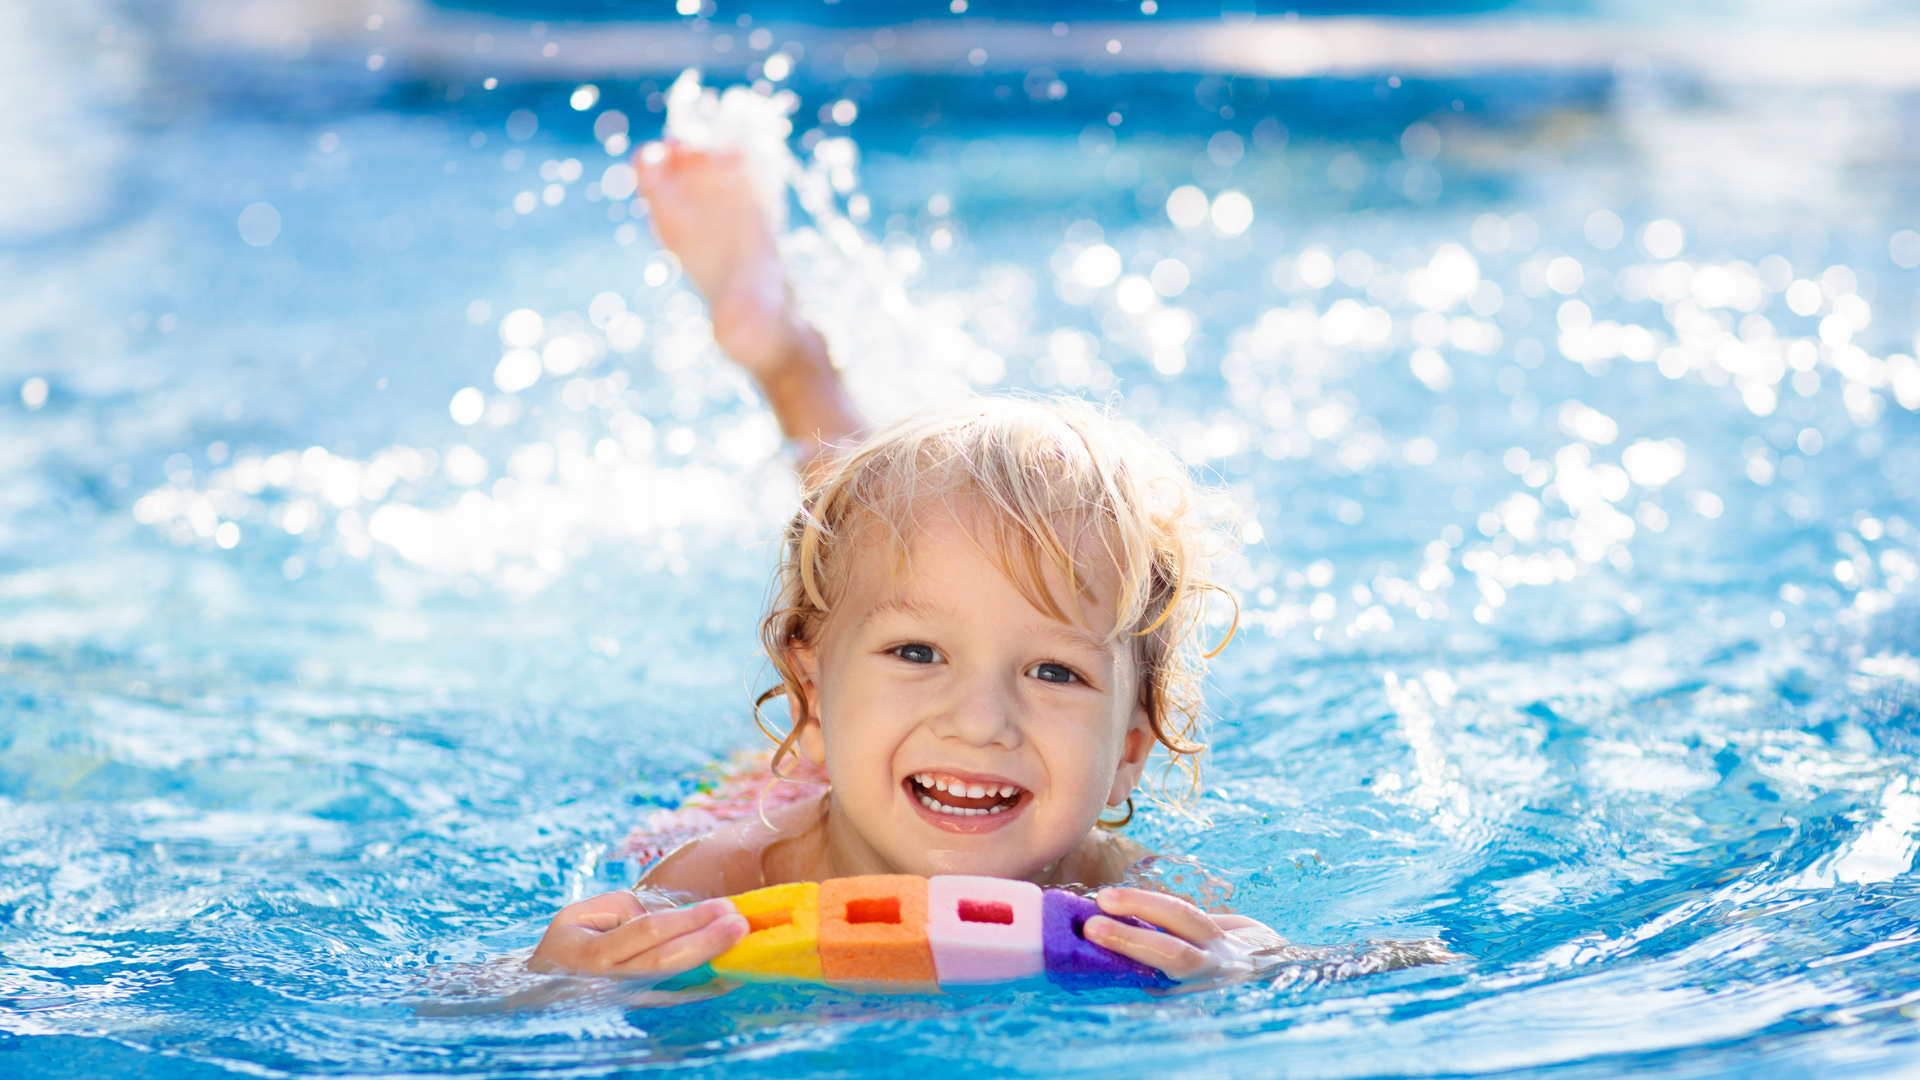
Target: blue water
{"points": [[315, 703]]}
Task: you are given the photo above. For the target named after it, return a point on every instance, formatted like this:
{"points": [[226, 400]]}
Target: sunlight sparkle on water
{"points": [[1574, 536]]}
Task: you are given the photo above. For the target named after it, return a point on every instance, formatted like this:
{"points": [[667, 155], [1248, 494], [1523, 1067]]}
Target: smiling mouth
{"points": [[963, 798]]}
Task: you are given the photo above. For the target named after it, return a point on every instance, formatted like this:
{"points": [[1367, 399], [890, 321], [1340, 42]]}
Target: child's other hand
{"points": [[1190, 945], [705, 211], [612, 934]]}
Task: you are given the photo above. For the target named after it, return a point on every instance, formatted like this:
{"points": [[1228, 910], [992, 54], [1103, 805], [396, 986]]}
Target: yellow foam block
{"points": [[783, 941]]}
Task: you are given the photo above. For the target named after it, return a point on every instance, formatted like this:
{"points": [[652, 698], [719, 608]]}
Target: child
{"points": [[985, 619]]}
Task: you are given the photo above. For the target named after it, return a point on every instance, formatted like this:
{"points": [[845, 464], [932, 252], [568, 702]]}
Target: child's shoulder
{"points": [[737, 857], [688, 847], [1103, 858]]}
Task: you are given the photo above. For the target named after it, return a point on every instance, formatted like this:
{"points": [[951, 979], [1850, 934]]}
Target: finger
{"points": [[603, 912], [1151, 947], [689, 951], [686, 156], [1234, 922], [1170, 913], [650, 156], [639, 935]]}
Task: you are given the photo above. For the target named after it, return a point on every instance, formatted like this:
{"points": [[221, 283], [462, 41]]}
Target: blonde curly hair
{"points": [[1052, 483]]}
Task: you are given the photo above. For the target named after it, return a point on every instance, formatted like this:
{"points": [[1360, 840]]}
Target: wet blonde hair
{"points": [[1050, 483]]}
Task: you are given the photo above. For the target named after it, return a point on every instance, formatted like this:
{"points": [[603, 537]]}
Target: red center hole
{"points": [[987, 911], [767, 920], [883, 909]]}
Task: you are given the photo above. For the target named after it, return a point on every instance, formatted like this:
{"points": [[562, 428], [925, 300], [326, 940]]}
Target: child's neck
{"points": [[846, 853]]}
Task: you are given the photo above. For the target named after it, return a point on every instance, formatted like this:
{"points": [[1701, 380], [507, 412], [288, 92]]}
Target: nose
{"points": [[983, 712]]}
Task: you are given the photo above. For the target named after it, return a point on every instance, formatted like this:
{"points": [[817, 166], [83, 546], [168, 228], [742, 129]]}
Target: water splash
{"points": [[604, 473], [1660, 798]]}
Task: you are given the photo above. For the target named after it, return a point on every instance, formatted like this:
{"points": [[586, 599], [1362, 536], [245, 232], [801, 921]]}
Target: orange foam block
{"points": [[873, 933], [783, 935]]}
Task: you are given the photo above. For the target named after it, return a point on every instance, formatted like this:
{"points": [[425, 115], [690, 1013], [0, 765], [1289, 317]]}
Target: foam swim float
{"points": [[891, 933], [901, 933]]}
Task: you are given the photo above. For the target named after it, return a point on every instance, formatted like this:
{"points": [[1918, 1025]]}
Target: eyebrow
{"points": [[1076, 636], [899, 607], [1072, 635]]}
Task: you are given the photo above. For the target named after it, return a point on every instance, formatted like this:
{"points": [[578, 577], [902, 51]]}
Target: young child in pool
{"points": [[985, 620]]}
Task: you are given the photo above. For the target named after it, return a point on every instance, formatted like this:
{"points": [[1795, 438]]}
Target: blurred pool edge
{"points": [[419, 40]]}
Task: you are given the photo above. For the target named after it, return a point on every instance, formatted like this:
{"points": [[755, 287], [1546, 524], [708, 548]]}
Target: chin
{"points": [[999, 856], [944, 862]]}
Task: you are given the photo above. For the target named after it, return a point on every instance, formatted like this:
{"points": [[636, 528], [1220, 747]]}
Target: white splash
{"points": [[1433, 784], [753, 125], [518, 507], [1578, 507], [1885, 849], [895, 353]]}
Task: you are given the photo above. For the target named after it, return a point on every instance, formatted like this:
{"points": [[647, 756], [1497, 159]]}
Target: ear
{"points": [[812, 743], [1135, 747]]}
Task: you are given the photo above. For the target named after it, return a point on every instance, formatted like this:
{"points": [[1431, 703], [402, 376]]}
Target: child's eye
{"points": [[918, 654], [1054, 673]]}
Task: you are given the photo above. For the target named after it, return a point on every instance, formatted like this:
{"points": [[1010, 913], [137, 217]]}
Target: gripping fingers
{"points": [[625, 944], [1170, 913], [690, 950], [1195, 945], [1177, 958], [603, 912]]}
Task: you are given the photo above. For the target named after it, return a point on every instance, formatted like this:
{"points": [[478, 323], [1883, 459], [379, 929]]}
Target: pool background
{"points": [[268, 806]]}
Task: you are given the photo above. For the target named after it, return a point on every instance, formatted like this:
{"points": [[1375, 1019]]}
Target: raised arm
{"points": [[705, 212]]}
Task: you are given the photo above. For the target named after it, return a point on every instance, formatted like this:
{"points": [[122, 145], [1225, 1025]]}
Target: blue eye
{"points": [[917, 654], [1053, 673]]}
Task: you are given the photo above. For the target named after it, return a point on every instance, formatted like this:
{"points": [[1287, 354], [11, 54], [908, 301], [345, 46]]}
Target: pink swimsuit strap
{"points": [[742, 788]]}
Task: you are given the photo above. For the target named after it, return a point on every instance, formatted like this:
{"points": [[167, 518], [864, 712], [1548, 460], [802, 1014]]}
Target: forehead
{"points": [[922, 558]]}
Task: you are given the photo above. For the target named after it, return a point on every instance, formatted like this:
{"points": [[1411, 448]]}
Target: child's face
{"points": [[949, 678]]}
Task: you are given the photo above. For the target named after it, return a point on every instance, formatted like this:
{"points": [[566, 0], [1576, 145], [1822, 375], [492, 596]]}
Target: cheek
{"points": [[860, 721], [1083, 753]]}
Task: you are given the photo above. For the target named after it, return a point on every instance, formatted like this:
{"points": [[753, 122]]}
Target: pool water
{"points": [[1571, 413]]}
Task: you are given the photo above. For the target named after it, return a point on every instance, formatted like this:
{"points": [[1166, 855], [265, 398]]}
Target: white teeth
{"points": [[939, 807], [929, 782]]}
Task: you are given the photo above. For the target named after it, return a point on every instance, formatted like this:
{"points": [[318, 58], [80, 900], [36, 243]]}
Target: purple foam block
{"points": [[1073, 962]]}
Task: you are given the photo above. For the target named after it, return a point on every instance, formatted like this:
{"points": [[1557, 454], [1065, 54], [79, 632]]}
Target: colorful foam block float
{"points": [[873, 934], [902, 933], [984, 930], [783, 938], [1075, 963]]}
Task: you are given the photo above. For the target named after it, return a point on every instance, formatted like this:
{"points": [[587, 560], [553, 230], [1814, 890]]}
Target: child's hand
{"points": [[612, 934], [705, 211], [1190, 945]]}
